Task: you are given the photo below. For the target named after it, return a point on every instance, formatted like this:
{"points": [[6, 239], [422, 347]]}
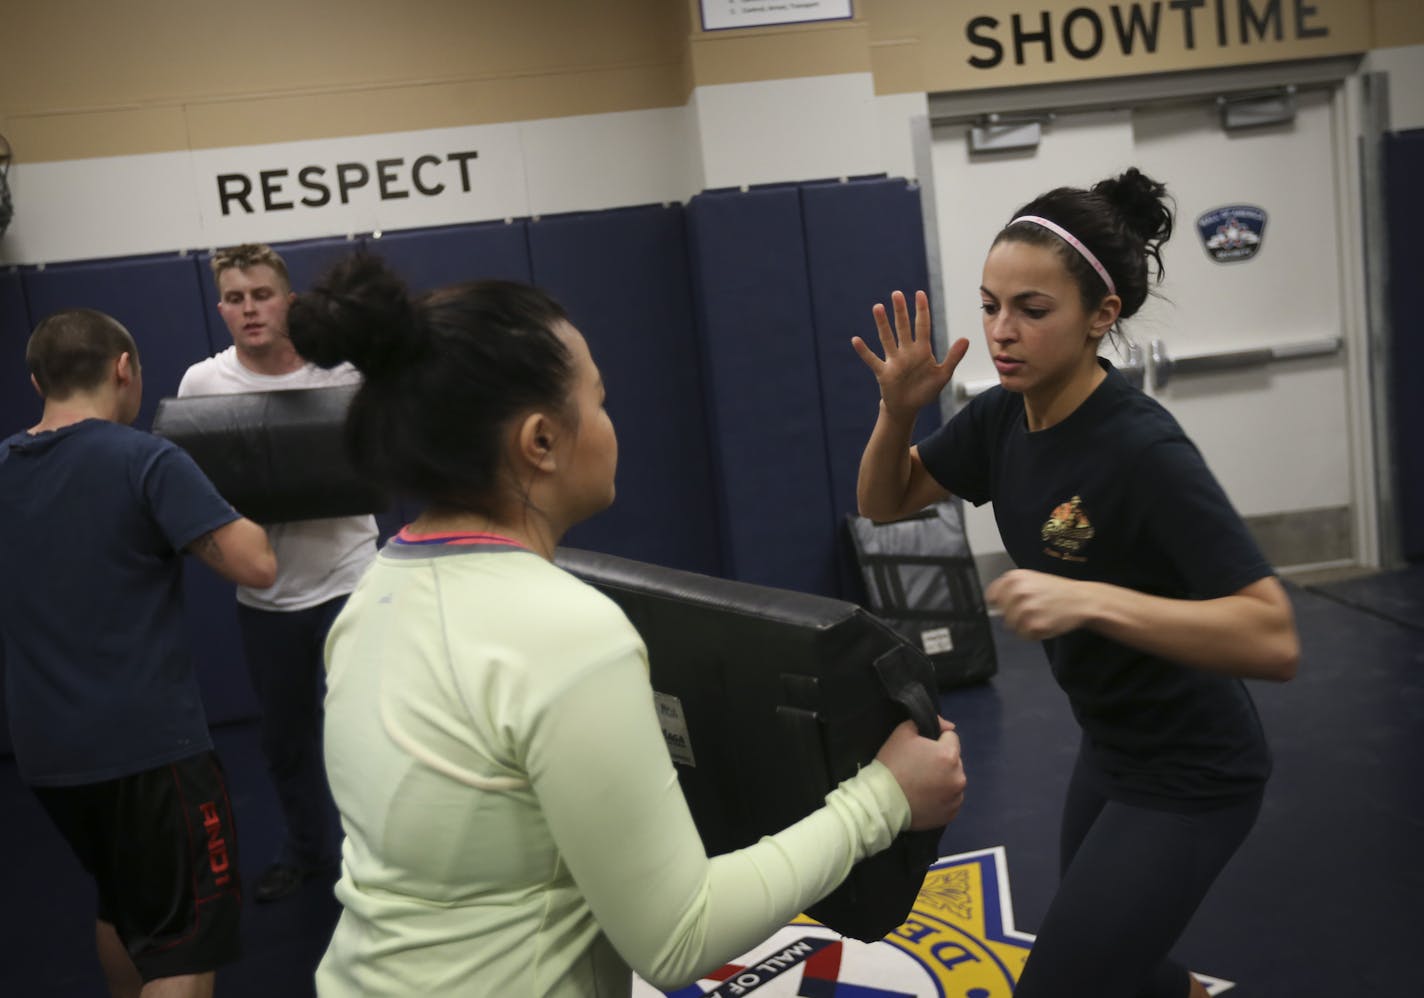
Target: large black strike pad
{"points": [[275, 456], [768, 699]]}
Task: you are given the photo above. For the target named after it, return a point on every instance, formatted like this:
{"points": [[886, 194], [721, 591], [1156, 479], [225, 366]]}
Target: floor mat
{"points": [[1396, 596], [959, 939]]}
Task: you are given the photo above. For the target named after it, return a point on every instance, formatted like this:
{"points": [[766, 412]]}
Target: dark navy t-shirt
{"points": [[99, 677], [1116, 493]]}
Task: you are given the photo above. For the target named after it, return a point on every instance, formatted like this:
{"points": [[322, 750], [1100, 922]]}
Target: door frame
{"points": [[1359, 116]]}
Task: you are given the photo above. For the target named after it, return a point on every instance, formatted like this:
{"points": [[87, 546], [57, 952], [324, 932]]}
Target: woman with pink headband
{"points": [[1151, 599]]}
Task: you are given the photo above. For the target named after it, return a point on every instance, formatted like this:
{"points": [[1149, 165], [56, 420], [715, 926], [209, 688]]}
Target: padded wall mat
{"points": [[158, 299], [433, 258], [753, 300], [19, 405], [623, 277]]}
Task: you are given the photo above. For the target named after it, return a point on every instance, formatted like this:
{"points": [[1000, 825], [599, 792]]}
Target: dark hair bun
{"points": [[361, 312], [1141, 203]]}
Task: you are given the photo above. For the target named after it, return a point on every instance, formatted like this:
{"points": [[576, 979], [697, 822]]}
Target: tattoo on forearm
{"points": [[207, 548]]}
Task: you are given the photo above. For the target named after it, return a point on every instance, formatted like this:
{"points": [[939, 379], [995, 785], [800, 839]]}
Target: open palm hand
{"points": [[909, 376]]}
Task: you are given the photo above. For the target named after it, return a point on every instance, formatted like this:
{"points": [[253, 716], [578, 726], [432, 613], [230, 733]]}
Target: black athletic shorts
{"points": [[162, 847]]}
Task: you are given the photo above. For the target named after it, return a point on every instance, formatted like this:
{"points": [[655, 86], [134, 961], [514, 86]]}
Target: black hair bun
{"points": [[1143, 208], [1141, 203], [360, 311]]}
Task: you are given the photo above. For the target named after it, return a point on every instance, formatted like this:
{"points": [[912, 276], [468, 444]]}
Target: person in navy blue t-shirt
{"points": [[1151, 599], [103, 704]]}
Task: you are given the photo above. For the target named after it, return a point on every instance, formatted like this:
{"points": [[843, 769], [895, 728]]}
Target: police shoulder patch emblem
{"points": [[1232, 233]]}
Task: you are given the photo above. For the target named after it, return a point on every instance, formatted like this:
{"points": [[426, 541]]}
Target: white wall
{"points": [[894, 114], [124, 205], [727, 136], [786, 130]]}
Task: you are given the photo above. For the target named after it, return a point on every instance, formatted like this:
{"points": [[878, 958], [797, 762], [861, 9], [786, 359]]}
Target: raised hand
{"points": [[909, 376]]}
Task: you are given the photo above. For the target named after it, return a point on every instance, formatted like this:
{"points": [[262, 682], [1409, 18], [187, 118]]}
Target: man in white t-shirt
{"points": [[318, 563]]}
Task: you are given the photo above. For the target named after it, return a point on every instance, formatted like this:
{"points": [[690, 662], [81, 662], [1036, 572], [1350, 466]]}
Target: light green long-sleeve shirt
{"points": [[513, 822]]}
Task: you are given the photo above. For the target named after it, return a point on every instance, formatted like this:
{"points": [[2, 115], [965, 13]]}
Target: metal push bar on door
{"points": [[1165, 367]]}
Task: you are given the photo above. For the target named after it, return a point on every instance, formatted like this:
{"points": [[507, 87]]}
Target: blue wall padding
{"points": [[722, 330], [864, 239], [158, 299], [433, 258], [1404, 165], [219, 339], [306, 261], [19, 405], [623, 277], [764, 397]]}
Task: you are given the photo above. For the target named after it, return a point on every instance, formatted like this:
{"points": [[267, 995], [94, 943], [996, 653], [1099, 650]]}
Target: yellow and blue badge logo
{"points": [[1232, 233], [959, 942], [1068, 531]]}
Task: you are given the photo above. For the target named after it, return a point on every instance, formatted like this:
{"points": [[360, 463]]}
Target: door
{"points": [[1278, 435]]}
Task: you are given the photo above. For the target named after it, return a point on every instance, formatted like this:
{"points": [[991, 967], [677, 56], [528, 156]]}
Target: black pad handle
{"points": [[906, 674], [902, 672]]}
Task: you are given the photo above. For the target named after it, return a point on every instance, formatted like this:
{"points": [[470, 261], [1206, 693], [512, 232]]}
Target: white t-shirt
{"points": [[317, 560]]}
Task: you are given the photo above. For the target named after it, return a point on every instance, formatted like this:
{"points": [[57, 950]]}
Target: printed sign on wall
{"points": [[718, 15], [279, 192], [401, 180], [1016, 42], [1233, 233]]}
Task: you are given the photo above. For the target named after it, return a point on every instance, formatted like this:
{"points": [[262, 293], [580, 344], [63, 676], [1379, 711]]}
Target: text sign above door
{"points": [[988, 44]]}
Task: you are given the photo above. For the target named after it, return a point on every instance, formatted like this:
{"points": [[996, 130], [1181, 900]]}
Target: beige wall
{"points": [[85, 78], [1398, 23], [81, 78]]}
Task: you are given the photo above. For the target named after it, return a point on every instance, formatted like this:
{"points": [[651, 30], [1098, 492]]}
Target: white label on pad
{"points": [[674, 726], [937, 640]]}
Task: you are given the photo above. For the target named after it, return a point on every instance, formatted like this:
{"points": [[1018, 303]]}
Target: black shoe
{"points": [[280, 880]]}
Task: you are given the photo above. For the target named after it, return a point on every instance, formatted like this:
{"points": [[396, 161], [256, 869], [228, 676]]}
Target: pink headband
{"points": [[1073, 241]]}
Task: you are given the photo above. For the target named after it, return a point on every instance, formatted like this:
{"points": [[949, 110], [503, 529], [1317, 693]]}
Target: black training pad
{"points": [[276, 456], [783, 699]]}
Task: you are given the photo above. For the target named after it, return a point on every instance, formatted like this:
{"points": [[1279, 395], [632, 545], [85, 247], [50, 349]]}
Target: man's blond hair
{"points": [[250, 255]]}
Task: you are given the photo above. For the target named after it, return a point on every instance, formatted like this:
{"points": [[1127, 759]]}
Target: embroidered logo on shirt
{"points": [[1067, 531]]}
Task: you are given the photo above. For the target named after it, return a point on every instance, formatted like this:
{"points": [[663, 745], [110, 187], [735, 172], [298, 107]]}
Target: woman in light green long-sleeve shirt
{"points": [[513, 822]]}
